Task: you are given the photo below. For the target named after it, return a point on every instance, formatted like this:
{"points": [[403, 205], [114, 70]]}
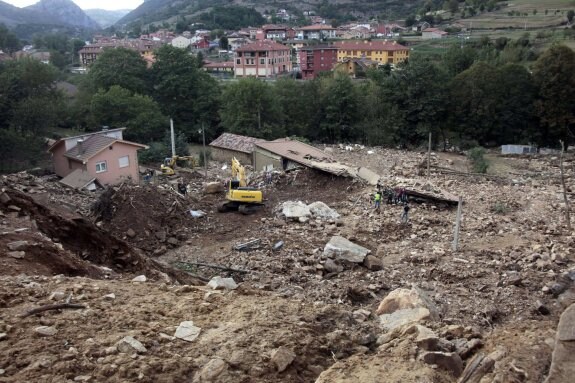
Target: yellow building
{"points": [[384, 52]]}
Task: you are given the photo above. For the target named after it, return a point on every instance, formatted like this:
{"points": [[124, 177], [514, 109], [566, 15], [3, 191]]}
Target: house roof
{"points": [[94, 145], [370, 45], [235, 142], [269, 27], [316, 27], [296, 151], [85, 135], [78, 179], [263, 45]]}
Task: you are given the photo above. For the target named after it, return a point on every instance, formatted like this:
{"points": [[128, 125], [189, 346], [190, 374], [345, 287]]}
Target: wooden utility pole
{"points": [[204, 150], [457, 226], [429, 156], [567, 211]]}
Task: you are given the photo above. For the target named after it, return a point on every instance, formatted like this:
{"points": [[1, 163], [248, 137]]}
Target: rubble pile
{"points": [[316, 286]]}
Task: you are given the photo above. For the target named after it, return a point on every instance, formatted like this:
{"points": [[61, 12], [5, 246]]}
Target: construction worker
{"points": [[377, 199], [404, 215]]}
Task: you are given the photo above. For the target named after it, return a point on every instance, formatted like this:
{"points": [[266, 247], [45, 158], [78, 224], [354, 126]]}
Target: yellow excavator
{"points": [[239, 197], [169, 166]]}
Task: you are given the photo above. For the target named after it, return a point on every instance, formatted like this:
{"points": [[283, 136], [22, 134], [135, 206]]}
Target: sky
{"points": [[87, 4]]}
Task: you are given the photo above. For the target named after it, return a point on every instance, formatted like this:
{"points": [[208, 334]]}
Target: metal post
{"points": [[204, 144], [172, 137], [457, 225], [429, 156]]}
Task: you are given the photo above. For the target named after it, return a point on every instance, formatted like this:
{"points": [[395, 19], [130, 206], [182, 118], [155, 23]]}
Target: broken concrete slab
{"points": [[219, 283], [213, 188], [294, 210], [340, 248], [129, 344], [17, 245], [320, 210], [187, 331], [368, 176]]}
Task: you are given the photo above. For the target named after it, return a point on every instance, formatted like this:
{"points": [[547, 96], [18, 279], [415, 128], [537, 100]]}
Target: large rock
{"points": [[563, 361], [213, 369], [373, 263], [129, 345], [321, 210], [295, 210], [46, 330], [140, 278], [219, 283], [403, 306], [187, 331], [331, 267], [213, 187], [17, 245], [450, 361], [343, 249], [282, 358], [367, 175]]}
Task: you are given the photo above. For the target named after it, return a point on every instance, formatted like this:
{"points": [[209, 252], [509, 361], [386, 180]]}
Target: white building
{"points": [[181, 42]]}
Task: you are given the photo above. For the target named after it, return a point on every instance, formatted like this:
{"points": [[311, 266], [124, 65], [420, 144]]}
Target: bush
{"points": [[500, 208], [478, 161]]}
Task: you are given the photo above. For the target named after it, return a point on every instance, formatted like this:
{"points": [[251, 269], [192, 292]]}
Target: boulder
{"points": [[131, 233], [294, 210], [213, 369], [426, 339], [563, 360], [402, 307], [17, 245], [16, 254], [282, 358], [219, 283], [140, 278], [343, 249], [130, 345], [449, 361], [321, 210], [213, 187], [187, 331], [373, 263]]}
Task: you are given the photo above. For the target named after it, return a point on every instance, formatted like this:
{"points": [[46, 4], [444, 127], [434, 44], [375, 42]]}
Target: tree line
{"points": [[466, 96]]}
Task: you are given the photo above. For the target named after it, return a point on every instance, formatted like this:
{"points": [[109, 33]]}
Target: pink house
{"points": [[103, 157]]}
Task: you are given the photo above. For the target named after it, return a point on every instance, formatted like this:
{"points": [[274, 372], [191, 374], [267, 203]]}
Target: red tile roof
{"points": [[263, 45], [316, 27], [213, 64], [370, 45], [94, 145]]}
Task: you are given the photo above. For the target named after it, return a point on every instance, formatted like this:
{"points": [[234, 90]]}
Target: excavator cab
{"points": [[239, 197]]}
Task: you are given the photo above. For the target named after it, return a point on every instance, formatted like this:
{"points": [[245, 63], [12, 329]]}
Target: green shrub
{"points": [[499, 208], [478, 161]]}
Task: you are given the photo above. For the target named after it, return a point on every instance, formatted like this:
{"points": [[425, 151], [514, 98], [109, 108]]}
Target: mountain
{"points": [[104, 17], [158, 11], [64, 12], [11, 15]]}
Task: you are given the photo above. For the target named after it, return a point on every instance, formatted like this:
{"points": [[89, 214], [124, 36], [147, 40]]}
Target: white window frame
{"points": [[99, 165], [127, 162]]}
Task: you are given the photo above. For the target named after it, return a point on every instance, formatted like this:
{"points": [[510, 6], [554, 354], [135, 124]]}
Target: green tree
{"points": [[119, 107], [570, 15], [250, 108], [119, 66], [21, 80], [554, 74], [9, 43], [224, 44], [185, 92], [457, 59], [341, 107], [474, 103]]}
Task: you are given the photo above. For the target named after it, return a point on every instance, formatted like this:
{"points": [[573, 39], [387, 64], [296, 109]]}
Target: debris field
{"points": [[127, 285]]}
